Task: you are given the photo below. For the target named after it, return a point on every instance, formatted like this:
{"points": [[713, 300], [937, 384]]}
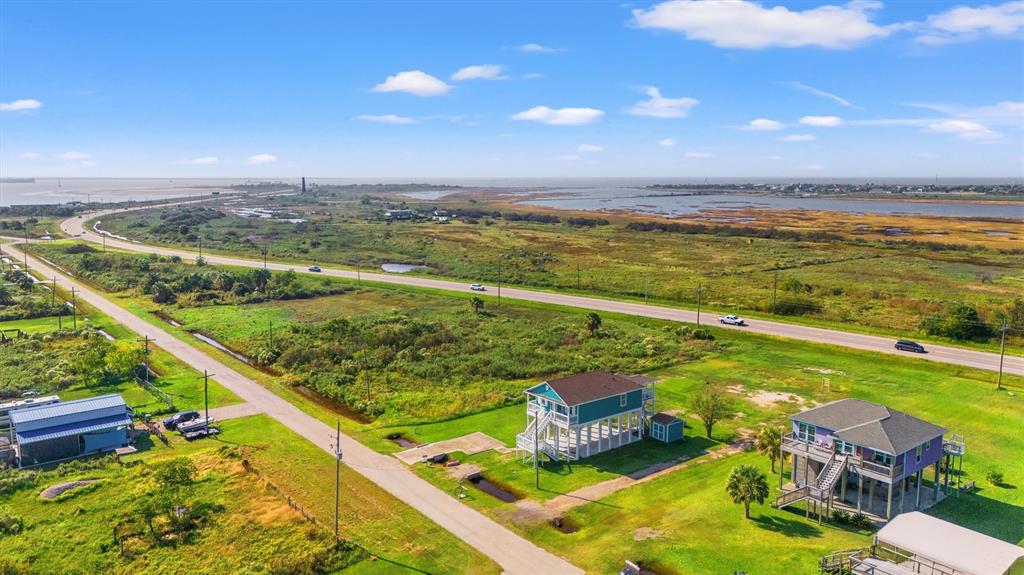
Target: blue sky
{"points": [[813, 89]]}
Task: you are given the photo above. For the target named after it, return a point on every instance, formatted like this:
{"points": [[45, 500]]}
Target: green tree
{"points": [[746, 485], [592, 323], [162, 293], [768, 442], [710, 406], [260, 279], [122, 359], [5, 295], [961, 322], [477, 304]]}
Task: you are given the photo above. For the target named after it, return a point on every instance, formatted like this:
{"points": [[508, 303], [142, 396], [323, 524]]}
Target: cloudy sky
{"points": [[678, 88]]}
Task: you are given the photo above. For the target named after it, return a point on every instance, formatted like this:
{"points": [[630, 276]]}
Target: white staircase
{"points": [[527, 442], [830, 474]]}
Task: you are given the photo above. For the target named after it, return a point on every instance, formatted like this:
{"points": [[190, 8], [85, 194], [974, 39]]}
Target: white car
{"points": [[477, 287], [731, 320]]}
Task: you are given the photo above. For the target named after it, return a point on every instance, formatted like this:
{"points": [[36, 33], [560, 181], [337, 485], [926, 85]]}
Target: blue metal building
{"points": [[71, 429]]}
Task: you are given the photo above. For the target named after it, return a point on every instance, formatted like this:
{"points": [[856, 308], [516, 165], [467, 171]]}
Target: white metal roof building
{"points": [[71, 429], [942, 547]]}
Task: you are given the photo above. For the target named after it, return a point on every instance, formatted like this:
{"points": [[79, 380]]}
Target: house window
{"points": [[845, 447], [805, 432], [927, 445], [918, 452], [622, 400], [883, 458]]}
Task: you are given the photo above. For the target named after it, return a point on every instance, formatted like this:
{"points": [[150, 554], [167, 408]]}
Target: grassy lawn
{"points": [[251, 528], [685, 523]]}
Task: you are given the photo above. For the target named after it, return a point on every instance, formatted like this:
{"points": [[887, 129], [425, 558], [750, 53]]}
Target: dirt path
{"points": [[512, 552], [940, 353]]}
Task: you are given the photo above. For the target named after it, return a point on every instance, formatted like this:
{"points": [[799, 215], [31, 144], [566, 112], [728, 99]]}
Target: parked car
{"points": [[731, 320], [180, 417], [907, 345], [314, 268], [477, 287]]}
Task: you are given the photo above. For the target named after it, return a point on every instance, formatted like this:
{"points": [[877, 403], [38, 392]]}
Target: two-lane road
{"points": [[939, 353], [513, 553]]}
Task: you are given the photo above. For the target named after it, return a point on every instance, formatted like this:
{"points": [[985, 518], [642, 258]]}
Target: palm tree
{"points": [[477, 304], [593, 323], [747, 484], [768, 441]]}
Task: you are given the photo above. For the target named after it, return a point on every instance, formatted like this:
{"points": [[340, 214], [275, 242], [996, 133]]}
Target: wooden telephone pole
{"points": [[337, 478], [698, 304]]}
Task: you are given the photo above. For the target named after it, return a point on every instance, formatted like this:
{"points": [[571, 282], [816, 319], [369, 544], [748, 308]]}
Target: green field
{"points": [[849, 283], [680, 522], [250, 527]]}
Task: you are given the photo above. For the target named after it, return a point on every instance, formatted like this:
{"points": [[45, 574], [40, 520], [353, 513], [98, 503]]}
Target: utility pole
{"points": [[74, 308], [53, 292], [775, 287], [206, 398], [24, 251], [499, 280], [146, 356], [1002, 348], [698, 304], [265, 249], [337, 478], [359, 280], [577, 276], [270, 332], [645, 287], [200, 242]]}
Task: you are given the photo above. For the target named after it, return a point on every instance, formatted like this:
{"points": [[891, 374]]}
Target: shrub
{"points": [[9, 522], [703, 334], [960, 321], [796, 305], [841, 516], [994, 476], [861, 521]]}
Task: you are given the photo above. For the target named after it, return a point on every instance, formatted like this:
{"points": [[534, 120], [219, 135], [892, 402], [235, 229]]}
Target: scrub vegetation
{"points": [[855, 275]]}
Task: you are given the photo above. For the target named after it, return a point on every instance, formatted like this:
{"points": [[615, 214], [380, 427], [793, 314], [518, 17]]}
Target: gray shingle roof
{"points": [[584, 387], [871, 425]]}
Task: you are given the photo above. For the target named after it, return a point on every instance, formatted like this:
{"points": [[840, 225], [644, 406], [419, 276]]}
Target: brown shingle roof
{"points": [[664, 418], [584, 387]]}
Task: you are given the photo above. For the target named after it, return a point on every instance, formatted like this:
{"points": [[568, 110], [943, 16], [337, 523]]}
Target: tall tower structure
{"points": [[303, 185]]}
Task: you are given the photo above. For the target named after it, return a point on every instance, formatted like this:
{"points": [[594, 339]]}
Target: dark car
{"points": [[315, 268], [907, 345], [180, 417]]}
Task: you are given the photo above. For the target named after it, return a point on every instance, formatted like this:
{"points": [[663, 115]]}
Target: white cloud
{"points": [[823, 94], [699, 155], [1008, 112], [413, 82], [965, 23], [28, 156], [539, 48], [481, 72], [965, 129], [666, 142], [20, 105], [533, 76], [74, 156], [589, 148], [387, 119], [560, 116], [744, 24], [205, 161], [798, 138], [821, 121], [659, 106], [763, 125], [260, 159]]}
